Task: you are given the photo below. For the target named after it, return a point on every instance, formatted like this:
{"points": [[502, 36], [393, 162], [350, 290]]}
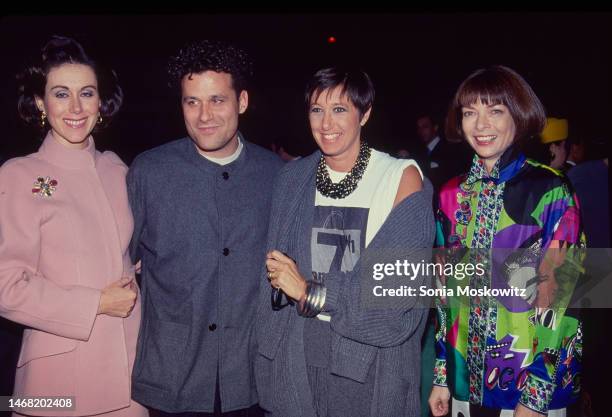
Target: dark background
{"points": [[416, 60]]}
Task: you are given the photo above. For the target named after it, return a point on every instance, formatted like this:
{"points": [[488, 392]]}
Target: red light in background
{"points": [[331, 39]]}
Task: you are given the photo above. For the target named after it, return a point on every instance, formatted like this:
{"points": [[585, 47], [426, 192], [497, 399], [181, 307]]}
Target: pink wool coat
{"points": [[65, 226]]}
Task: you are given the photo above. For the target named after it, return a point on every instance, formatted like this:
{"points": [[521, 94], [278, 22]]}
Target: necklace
{"points": [[349, 183]]}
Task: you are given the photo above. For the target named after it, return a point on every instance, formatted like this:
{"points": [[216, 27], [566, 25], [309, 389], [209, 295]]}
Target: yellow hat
{"points": [[555, 130]]}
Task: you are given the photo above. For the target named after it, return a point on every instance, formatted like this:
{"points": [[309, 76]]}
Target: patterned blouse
{"points": [[493, 350]]}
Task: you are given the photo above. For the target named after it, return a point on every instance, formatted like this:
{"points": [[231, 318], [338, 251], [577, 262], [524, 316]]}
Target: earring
{"points": [[99, 119], [43, 118]]}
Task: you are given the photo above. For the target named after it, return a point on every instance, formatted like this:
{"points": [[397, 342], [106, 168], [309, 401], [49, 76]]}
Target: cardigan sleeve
{"points": [[409, 231], [26, 295]]}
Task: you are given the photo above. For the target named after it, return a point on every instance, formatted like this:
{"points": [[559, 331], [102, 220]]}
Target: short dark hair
{"points": [[356, 84], [498, 85], [427, 115], [208, 55], [57, 51]]}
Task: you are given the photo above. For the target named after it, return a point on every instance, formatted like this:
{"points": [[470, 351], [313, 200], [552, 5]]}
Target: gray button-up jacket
{"points": [[200, 231]]}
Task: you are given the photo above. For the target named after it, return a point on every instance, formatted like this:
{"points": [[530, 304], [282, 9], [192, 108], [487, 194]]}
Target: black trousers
{"points": [[254, 411]]}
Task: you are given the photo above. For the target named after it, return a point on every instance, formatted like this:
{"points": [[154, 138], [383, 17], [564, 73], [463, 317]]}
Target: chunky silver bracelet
{"points": [[315, 299]]}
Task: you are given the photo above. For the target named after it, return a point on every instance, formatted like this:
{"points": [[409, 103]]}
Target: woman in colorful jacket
{"points": [[65, 226], [519, 353]]}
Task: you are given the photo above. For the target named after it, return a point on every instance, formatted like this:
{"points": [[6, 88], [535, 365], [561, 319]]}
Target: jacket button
{"points": [[225, 175], [225, 251], [212, 327]]}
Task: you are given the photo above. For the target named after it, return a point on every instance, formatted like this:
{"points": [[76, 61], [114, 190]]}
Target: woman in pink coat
{"points": [[65, 225]]}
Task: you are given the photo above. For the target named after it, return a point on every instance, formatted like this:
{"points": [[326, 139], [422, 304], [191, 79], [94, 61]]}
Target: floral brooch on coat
{"points": [[44, 187]]}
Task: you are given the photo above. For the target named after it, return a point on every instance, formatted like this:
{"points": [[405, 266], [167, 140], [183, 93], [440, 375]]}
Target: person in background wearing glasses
{"points": [[321, 350]]}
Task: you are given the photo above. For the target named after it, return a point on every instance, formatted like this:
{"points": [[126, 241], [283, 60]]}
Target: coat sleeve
{"points": [[563, 340], [136, 198], [407, 234], [26, 295], [439, 371]]}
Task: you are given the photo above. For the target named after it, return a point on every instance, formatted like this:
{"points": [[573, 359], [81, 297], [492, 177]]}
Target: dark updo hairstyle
{"points": [[58, 51], [210, 55]]}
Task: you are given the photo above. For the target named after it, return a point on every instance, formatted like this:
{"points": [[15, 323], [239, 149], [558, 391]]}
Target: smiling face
{"points": [[489, 129], [336, 127], [71, 102], [210, 110]]}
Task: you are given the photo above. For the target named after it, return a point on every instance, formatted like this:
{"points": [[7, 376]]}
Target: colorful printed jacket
{"points": [[496, 352]]}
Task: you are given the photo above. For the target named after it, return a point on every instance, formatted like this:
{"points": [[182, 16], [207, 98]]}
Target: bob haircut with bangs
{"points": [[498, 85]]}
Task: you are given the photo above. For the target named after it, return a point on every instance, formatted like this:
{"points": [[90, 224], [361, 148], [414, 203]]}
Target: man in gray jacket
{"points": [[200, 223]]}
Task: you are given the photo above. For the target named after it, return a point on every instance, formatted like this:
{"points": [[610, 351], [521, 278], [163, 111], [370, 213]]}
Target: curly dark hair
{"points": [[207, 55], [57, 51]]}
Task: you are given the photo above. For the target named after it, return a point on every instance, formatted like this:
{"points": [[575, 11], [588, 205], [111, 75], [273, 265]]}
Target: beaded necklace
{"points": [[348, 184]]}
